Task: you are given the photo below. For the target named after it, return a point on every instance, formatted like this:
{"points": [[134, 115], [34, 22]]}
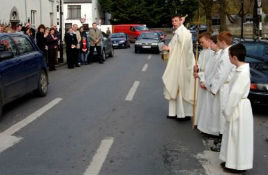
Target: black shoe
{"points": [[184, 119], [171, 117], [216, 148], [77, 65], [229, 170], [101, 62]]}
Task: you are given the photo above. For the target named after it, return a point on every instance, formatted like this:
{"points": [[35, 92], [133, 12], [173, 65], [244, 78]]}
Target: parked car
{"points": [[148, 41], [132, 30], [23, 68], [120, 40], [161, 34], [257, 57]]}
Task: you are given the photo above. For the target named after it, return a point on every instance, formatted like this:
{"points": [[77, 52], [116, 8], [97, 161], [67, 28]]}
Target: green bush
{"points": [[266, 19]]}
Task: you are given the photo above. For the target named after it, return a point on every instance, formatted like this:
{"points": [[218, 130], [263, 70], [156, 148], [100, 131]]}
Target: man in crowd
{"points": [[77, 50], [178, 76], [95, 41]]}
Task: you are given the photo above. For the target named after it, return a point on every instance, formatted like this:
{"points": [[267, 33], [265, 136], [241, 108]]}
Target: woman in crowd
{"points": [[40, 38], [71, 43], [52, 43]]}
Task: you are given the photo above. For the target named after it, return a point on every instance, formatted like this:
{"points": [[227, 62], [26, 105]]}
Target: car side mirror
{"points": [[6, 55]]}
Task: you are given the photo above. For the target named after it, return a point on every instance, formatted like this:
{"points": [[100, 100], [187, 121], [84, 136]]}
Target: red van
{"points": [[133, 30]]}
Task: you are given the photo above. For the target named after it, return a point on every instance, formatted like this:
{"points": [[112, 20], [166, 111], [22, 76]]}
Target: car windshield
{"points": [[257, 56], [118, 35], [257, 50], [141, 28], [154, 36]]}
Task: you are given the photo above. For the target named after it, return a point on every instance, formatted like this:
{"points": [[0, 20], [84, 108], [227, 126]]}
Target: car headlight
{"points": [[154, 44], [137, 43], [121, 42], [261, 87]]}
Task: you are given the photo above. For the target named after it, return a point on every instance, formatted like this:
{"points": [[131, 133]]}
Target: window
{"points": [[23, 44], [33, 17], [6, 44], [74, 11]]}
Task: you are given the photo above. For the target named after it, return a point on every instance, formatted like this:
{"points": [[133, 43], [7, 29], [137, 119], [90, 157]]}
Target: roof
{"points": [[77, 1]]}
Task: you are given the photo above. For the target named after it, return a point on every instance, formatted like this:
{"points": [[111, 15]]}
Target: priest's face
{"points": [[176, 22]]}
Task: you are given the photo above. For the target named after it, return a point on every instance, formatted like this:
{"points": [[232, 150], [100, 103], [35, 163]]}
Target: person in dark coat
{"points": [[40, 39], [52, 44], [71, 47]]}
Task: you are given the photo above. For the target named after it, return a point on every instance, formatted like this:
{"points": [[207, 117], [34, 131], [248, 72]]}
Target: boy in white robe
{"points": [[223, 74], [204, 57], [237, 142], [210, 111]]}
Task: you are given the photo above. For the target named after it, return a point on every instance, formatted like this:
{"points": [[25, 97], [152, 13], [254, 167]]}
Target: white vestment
{"points": [[220, 82], [178, 77], [237, 141], [209, 116], [204, 56]]}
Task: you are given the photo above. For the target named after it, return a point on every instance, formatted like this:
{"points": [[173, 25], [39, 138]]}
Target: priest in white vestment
{"points": [[178, 77], [237, 141]]}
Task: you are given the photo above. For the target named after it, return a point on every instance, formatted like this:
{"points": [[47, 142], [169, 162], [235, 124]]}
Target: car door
{"points": [[12, 83], [31, 61]]}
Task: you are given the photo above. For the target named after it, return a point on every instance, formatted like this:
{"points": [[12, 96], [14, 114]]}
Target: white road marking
{"points": [[7, 140], [99, 157], [144, 67], [149, 57], [132, 91], [18, 126]]}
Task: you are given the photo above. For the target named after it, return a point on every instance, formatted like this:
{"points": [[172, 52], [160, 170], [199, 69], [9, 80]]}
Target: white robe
{"points": [[237, 142], [204, 57], [178, 77], [209, 121], [220, 82]]}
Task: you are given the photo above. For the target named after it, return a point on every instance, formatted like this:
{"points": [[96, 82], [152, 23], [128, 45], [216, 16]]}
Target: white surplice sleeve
{"points": [[222, 72]]}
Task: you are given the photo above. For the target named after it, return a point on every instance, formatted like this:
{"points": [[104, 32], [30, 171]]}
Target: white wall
{"points": [[40, 6], [86, 10]]}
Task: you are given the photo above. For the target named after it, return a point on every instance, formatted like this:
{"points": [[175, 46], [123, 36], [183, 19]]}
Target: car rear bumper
{"points": [[258, 97], [153, 48]]}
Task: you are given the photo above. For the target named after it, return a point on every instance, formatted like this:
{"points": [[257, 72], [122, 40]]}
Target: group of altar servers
{"points": [[223, 108]]}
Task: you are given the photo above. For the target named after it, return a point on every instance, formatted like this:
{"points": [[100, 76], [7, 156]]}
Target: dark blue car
{"points": [[257, 57], [22, 68]]}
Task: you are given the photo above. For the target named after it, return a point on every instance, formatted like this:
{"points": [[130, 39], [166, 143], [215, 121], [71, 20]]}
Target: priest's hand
{"points": [[165, 47], [202, 85]]}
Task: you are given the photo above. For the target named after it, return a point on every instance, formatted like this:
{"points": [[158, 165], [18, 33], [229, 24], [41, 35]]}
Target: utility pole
{"points": [[242, 20], [259, 10], [61, 45]]}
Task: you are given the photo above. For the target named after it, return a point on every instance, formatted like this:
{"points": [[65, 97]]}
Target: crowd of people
{"points": [[79, 46], [223, 110]]}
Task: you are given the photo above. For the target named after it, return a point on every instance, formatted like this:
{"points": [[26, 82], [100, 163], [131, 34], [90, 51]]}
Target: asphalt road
{"points": [[110, 119]]}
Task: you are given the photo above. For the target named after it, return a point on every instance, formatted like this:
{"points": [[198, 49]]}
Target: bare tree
{"points": [[207, 6]]}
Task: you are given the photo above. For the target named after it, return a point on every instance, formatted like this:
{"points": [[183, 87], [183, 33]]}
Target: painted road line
{"points": [[145, 68], [18, 126], [8, 141], [99, 157], [149, 57], [132, 91]]}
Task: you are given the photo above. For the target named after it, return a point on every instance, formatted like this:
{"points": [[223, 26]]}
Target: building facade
{"points": [[81, 12], [34, 11]]}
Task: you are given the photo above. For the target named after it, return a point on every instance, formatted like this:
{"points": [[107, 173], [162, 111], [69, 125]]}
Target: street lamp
{"points": [[259, 10], [242, 20], [61, 45]]}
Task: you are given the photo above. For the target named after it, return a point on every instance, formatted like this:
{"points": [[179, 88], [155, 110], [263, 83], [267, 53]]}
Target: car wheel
{"points": [[111, 53], [42, 85], [103, 55], [137, 51]]}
